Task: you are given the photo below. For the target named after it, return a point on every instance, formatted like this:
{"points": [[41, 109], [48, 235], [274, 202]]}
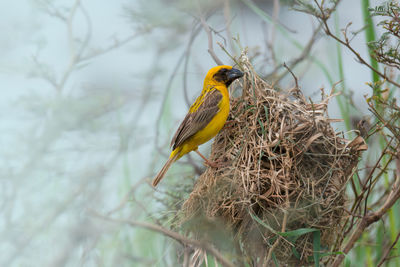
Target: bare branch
{"points": [[294, 76], [387, 251], [117, 44], [174, 235], [195, 31], [324, 18], [206, 27], [369, 219], [228, 20], [304, 54]]}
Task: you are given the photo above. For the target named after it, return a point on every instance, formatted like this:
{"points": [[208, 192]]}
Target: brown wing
{"points": [[199, 119]]}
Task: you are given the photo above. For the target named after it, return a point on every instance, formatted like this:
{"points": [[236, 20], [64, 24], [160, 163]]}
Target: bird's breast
{"points": [[215, 125]]}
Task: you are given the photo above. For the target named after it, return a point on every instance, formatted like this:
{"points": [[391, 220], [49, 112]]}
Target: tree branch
{"points": [[386, 254], [171, 234], [369, 219], [206, 27]]}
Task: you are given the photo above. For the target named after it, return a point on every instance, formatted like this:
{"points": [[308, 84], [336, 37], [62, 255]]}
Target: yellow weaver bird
{"points": [[205, 118]]}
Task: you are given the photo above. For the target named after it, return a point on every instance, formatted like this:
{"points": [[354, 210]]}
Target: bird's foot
{"points": [[216, 163], [213, 164]]}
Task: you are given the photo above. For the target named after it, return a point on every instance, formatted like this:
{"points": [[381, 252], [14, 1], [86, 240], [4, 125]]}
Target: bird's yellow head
{"points": [[222, 75]]}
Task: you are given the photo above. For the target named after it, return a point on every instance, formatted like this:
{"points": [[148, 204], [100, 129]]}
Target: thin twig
{"points": [[294, 76], [211, 51], [304, 54], [127, 197], [271, 41], [174, 235], [324, 18], [387, 251], [195, 31], [227, 17], [115, 45], [369, 219], [166, 92]]}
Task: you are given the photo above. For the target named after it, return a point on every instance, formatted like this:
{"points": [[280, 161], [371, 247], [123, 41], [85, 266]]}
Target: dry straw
{"points": [[285, 172]]}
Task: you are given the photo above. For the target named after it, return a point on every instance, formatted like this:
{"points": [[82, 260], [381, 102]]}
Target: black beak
{"points": [[234, 74]]}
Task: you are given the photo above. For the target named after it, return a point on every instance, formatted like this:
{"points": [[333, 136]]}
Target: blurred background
{"points": [[92, 92]]}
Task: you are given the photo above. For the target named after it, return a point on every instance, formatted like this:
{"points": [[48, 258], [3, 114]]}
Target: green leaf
{"points": [[317, 247], [253, 216], [369, 35], [295, 253], [274, 259], [294, 233], [262, 126], [298, 232]]}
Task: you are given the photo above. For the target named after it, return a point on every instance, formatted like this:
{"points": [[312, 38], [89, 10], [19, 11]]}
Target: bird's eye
{"points": [[221, 75]]}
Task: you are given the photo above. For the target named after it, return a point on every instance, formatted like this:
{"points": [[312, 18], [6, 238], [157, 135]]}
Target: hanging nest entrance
{"points": [[282, 191]]}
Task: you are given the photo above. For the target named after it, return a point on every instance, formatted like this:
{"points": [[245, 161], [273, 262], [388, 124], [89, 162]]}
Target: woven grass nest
{"points": [[286, 170]]}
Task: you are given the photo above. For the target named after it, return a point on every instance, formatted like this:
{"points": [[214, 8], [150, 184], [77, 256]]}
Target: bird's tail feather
{"points": [[164, 169]]}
